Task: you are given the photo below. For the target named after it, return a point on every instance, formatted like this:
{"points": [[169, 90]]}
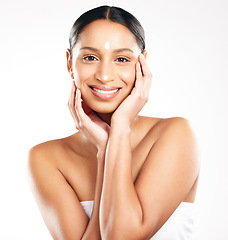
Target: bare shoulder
{"points": [[176, 131], [69, 160], [48, 151], [177, 137], [49, 155], [165, 127], [170, 135], [148, 130], [179, 124], [179, 129]]}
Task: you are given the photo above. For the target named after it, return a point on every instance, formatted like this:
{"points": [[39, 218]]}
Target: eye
{"points": [[90, 58], [122, 59]]}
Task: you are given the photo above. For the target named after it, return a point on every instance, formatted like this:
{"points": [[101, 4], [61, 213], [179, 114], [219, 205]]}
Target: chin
{"points": [[103, 107], [104, 110]]}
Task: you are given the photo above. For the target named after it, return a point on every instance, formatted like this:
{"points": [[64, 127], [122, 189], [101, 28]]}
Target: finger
{"points": [[138, 70], [145, 82], [145, 71], [144, 66], [138, 75], [78, 108], [71, 101], [71, 104]]}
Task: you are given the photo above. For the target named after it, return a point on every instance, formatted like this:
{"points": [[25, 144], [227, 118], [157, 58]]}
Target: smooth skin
{"points": [[136, 169]]}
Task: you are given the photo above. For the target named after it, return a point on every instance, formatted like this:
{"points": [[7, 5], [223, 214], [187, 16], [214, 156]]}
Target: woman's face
{"points": [[103, 64]]}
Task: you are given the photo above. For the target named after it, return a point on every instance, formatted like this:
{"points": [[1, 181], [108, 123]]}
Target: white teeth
{"points": [[105, 92]]}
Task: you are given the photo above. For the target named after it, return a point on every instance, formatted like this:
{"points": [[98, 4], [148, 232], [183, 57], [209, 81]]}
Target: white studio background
{"points": [[187, 43]]}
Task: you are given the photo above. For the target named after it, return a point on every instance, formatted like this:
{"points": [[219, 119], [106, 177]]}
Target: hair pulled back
{"points": [[114, 14]]}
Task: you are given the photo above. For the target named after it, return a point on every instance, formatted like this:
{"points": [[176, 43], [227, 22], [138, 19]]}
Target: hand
{"points": [[87, 121], [132, 105]]}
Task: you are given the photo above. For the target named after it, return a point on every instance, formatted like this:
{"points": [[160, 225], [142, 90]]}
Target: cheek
{"points": [[127, 74], [81, 74]]}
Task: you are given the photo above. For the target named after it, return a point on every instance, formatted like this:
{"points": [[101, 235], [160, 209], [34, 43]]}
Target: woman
{"points": [[132, 172]]}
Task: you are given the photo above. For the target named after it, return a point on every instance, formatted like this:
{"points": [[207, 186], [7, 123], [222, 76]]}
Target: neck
{"points": [[106, 117]]}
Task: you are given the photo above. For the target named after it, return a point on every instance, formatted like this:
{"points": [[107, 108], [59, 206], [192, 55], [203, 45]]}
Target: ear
{"points": [[145, 53], [69, 63]]}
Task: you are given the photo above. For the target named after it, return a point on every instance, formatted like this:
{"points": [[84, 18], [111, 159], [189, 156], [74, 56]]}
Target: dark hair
{"points": [[114, 14]]}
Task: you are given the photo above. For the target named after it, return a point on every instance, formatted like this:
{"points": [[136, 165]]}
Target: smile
{"points": [[104, 92]]}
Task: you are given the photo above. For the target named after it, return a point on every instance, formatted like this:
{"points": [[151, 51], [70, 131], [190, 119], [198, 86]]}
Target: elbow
{"points": [[127, 230]]}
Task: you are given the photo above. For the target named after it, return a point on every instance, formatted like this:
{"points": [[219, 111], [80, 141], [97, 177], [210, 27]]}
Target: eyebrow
{"points": [[116, 50]]}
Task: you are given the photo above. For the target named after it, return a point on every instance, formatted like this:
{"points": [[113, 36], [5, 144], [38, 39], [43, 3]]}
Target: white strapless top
{"points": [[178, 227]]}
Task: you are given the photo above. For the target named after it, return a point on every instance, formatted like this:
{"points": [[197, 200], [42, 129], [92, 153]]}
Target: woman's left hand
{"points": [[132, 105]]}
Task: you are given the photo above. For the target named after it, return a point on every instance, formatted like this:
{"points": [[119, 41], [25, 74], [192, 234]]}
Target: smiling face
{"points": [[103, 64]]}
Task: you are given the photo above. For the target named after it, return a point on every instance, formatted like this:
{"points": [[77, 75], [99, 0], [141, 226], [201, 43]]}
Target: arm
{"points": [[57, 201], [121, 209], [137, 211]]}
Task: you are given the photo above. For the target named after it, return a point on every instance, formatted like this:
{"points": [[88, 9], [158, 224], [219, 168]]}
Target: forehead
{"points": [[103, 33]]}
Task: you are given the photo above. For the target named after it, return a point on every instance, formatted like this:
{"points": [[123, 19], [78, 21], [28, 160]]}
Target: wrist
{"points": [[120, 124], [120, 129], [101, 154]]}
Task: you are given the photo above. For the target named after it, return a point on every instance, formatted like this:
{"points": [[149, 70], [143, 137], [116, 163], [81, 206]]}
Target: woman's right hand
{"points": [[87, 121]]}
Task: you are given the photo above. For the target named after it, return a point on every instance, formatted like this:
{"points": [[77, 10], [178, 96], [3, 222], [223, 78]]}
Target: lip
{"points": [[104, 88], [104, 92]]}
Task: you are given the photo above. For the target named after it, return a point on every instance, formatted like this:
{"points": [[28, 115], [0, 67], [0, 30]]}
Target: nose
{"points": [[105, 72]]}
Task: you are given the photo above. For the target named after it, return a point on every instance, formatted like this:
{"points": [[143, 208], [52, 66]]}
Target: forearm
{"points": [[120, 206], [93, 229]]}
